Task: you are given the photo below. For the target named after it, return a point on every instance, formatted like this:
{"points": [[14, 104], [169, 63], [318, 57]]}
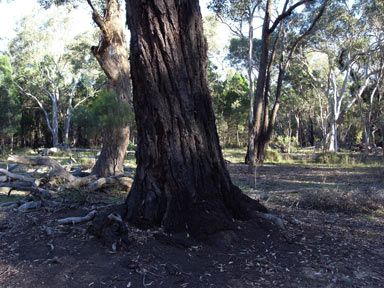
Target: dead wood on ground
{"points": [[77, 220]]}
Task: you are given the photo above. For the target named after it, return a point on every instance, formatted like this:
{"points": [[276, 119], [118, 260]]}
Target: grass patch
{"points": [[350, 202], [13, 197], [235, 155], [273, 156]]}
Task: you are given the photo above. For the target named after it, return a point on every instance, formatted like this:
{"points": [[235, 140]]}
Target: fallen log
{"points": [[18, 203], [76, 220], [29, 205], [11, 167], [18, 177], [40, 193], [57, 170], [105, 181], [9, 207], [129, 152], [81, 181], [278, 221], [102, 182]]}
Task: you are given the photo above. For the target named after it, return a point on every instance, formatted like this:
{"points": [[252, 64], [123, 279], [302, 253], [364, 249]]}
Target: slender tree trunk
{"points": [[251, 83], [112, 55], [55, 124], [181, 180], [253, 149]]}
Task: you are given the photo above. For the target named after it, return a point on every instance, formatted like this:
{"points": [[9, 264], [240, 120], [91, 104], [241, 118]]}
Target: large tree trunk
{"points": [[112, 55], [181, 179]]}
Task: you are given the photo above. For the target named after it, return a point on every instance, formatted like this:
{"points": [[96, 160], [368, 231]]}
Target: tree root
{"points": [[110, 227]]}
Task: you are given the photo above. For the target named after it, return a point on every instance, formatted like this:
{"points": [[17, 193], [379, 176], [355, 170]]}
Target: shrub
{"points": [[272, 156], [333, 158], [328, 158]]}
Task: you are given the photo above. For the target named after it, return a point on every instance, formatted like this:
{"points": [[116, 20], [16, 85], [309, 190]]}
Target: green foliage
{"points": [[328, 158], [231, 107], [272, 156], [283, 142], [332, 158], [9, 104], [238, 52], [104, 113]]}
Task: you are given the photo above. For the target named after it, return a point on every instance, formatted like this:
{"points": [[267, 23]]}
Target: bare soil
{"points": [[319, 249]]}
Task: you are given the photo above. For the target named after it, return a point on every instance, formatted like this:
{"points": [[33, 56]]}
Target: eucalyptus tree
{"points": [[240, 18], [181, 180], [112, 55], [287, 39], [350, 66], [45, 70]]}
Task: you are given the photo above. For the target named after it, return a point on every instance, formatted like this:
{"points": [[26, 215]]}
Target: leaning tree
{"points": [[181, 180]]}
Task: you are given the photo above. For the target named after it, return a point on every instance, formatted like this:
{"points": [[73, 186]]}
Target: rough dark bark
{"points": [[112, 55], [181, 179]]}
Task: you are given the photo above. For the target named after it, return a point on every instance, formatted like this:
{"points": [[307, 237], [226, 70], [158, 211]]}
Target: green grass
{"points": [[305, 156]]}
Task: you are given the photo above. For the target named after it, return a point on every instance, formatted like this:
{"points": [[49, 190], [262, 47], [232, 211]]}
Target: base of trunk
{"points": [[111, 159]]}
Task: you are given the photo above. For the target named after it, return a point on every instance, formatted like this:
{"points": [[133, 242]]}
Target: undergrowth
{"points": [[350, 202]]}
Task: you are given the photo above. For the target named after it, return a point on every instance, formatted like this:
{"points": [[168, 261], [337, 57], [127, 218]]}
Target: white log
{"points": [[29, 205], [17, 176], [40, 193], [57, 169], [278, 221], [76, 220]]}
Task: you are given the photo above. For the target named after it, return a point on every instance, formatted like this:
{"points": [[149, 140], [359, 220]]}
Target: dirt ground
{"points": [[318, 249]]}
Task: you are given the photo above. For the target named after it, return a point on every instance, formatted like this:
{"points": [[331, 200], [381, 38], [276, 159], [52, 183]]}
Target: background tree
{"points": [[112, 55], [44, 69], [237, 14], [9, 105], [348, 69], [262, 126], [231, 105]]}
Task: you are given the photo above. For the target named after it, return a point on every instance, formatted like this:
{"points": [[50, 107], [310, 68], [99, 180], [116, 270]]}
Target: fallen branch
{"points": [[18, 177], [8, 207], [18, 203], [101, 182], [81, 181], [57, 169], [278, 221], [29, 205], [38, 192], [11, 167], [76, 220], [293, 190]]}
